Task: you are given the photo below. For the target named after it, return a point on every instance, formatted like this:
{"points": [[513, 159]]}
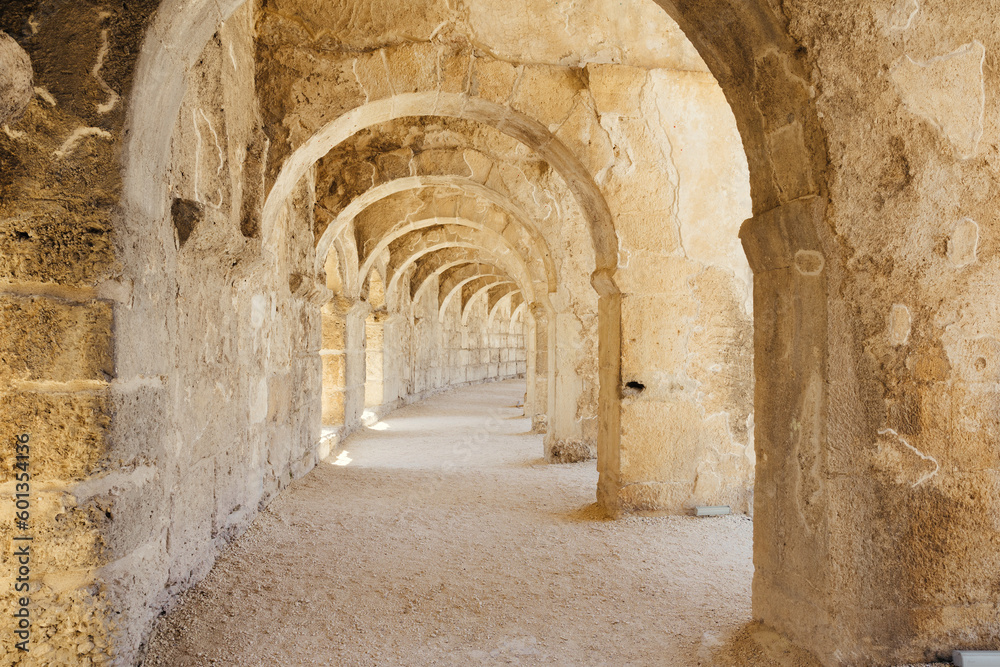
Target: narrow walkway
{"points": [[440, 537]]}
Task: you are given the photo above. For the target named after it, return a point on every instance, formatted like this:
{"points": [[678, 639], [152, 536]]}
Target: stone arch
{"points": [[530, 262], [516, 302], [483, 287], [443, 262], [453, 280], [524, 129], [745, 46], [411, 246], [460, 184]]}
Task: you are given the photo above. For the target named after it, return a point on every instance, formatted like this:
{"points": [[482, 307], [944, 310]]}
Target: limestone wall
{"points": [[62, 110], [213, 350]]}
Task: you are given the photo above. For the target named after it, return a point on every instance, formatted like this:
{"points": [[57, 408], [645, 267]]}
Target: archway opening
{"points": [[671, 427]]}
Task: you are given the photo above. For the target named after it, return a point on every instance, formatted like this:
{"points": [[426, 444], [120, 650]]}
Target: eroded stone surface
{"points": [[16, 88]]}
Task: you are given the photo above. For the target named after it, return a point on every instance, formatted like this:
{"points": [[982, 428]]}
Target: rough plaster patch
{"points": [[15, 79], [112, 101], [809, 262], [964, 243], [94, 486], [900, 323], [258, 408], [79, 134], [221, 161], [258, 310], [978, 359], [948, 91]]}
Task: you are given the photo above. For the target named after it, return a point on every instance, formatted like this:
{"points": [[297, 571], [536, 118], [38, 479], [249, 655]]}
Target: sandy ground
{"points": [[440, 537]]}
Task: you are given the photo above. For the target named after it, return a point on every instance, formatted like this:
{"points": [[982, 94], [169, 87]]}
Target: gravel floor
{"points": [[439, 537]]}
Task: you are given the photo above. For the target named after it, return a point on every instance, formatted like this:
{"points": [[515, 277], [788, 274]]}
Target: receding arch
{"points": [[444, 268], [474, 290], [428, 239], [526, 130], [515, 302], [460, 184], [413, 226], [454, 278]]}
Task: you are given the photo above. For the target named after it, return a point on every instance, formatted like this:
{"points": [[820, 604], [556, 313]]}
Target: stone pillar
{"points": [[571, 436], [343, 356], [793, 560], [356, 371], [334, 357], [678, 413], [394, 331], [538, 408], [375, 359], [875, 534], [529, 365]]}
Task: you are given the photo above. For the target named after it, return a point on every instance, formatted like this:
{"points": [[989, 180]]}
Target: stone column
{"points": [[343, 356], [677, 412], [571, 436], [375, 359], [538, 408], [793, 561], [529, 365], [394, 331]]}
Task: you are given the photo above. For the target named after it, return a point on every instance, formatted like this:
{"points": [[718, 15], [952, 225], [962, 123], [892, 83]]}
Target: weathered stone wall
{"points": [[896, 495], [65, 69], [212, 351]]}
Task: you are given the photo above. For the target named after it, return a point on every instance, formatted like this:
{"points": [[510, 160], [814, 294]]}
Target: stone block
{"points": [[67, 433], [617, 89], [655, 332], [138, 431], [454, 68], [69, 623], [45, 339], [68, 536], [412, 67], [191, 516], [371, 73], [547, 93], [493, 80]]}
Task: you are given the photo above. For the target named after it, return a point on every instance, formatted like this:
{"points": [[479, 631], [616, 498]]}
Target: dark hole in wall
{"points": [[186, 215], [633, 388]]}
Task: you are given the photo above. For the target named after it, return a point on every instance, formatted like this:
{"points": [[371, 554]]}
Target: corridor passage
{"points": [[440, 537]]}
